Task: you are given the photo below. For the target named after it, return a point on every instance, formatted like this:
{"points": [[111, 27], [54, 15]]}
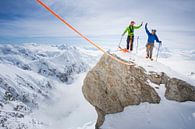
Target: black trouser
{"points": [[130, 40]]}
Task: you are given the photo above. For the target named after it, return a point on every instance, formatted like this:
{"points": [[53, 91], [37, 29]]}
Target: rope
{"points": [[72, 28]]}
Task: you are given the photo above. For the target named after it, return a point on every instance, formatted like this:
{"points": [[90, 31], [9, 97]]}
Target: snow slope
{"points": [[167, 114]]}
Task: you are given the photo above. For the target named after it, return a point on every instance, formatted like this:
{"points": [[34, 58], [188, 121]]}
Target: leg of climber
{"points": [[131, 43], [147, 50], [128, 42], [151, 50]]}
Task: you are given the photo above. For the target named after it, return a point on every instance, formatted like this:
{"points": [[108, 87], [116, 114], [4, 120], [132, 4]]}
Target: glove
{"points": [[160, 43]]}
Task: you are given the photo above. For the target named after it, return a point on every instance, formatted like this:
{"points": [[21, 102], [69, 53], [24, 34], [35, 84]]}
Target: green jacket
{"points": [[130, 30]]}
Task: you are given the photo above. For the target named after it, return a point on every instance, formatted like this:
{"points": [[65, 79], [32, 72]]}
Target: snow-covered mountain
{"points": [[54, 62], [29, 75], [40, 86]]}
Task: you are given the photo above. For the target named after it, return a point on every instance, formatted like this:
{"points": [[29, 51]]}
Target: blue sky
{"points": [[25, 20]]}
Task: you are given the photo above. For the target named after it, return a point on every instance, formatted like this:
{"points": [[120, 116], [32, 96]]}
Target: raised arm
{"points": [[137, 27], [146, 28]]}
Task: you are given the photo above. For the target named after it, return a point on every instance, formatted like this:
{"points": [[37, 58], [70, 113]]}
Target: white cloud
{"points": [[108, 17]]}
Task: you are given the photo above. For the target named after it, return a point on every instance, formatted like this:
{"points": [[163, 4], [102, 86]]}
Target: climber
{"points": [[130, 37], [150, 43]]}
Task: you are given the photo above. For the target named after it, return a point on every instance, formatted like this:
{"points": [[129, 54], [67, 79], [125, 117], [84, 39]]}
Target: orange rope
{"points": [[71, 27]]}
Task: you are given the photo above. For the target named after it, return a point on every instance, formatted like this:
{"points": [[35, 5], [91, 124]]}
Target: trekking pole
{"points": [[158, 51], [137, 45], [119, 45]]}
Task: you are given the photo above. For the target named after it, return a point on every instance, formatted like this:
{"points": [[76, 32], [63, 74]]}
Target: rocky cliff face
{"points": [[111, 86]]}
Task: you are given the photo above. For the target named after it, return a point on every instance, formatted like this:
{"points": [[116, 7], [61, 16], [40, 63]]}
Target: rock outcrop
{"points": [[110, 86], [179, 90], [176, 89], [158, 78]]}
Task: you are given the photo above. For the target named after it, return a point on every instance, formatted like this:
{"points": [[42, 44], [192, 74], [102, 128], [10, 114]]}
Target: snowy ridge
{"points": [[50, 61], [156, 66], [178, 60]]}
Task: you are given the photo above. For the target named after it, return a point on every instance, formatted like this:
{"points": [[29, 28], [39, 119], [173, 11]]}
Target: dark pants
{"points": [[149, 49], [130, 40]]}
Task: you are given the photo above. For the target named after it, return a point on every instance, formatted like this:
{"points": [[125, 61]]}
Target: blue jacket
{"points": [[151, 37]]}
